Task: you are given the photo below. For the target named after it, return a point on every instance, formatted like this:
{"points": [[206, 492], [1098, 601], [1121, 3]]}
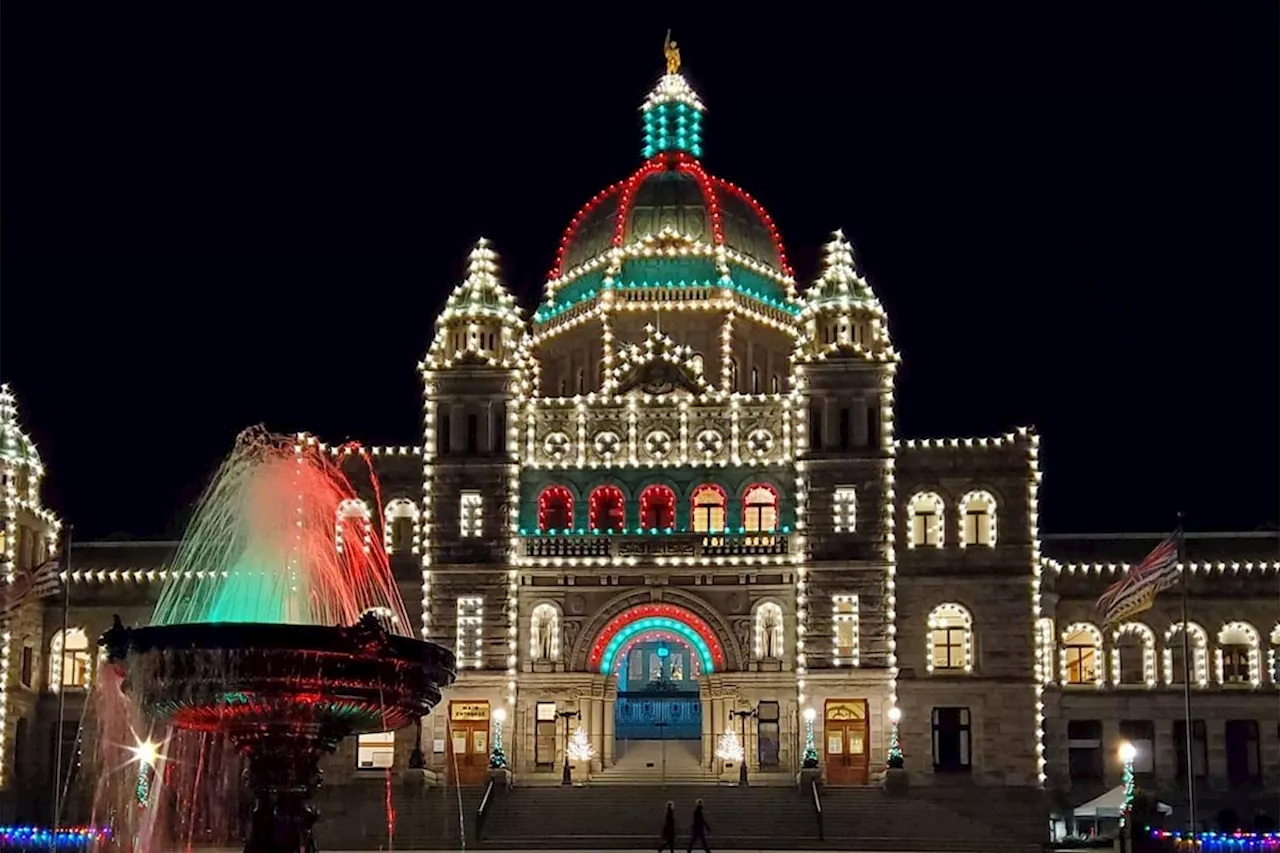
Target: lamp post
{"points": [[567, 778], [1128, 752], [895, 758], [810, 759], [742, 765]]}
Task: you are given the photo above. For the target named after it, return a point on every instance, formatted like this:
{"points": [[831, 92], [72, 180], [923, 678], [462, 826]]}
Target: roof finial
{"points": [[672, 53]]}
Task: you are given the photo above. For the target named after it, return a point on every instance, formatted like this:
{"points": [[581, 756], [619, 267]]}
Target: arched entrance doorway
{"points": [[658, 655]]}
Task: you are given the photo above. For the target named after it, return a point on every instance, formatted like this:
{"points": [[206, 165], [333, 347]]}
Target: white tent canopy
{"points": [[1110, 804]]}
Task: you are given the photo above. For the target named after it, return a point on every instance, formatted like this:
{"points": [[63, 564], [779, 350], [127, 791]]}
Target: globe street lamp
{"points": [[742, 765], [566, 778]]}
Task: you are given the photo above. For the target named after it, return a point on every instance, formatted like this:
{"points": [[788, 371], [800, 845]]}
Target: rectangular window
{"points": [[28, 658], [1084, 749], [844, 630], [924, 527], [1081, 663], [1243, 759], [873, 422], [977, 527], [444, 433], [768, 734], [499, 440], [844, 428], [952, 748], [544, 737], [1199, 748], [948, 647], [376, 751], [473, 434], [470, 632], [470, 518], [1142, 734], [844, 509], [1235, 665], [815, 426]]}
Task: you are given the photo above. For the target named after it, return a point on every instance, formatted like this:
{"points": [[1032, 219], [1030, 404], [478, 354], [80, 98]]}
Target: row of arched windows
{"points": [[656, 509], [926, 513], [1237, 657]]}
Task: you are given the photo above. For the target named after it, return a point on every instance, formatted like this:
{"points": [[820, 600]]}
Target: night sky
{"points": [[214, 219]]}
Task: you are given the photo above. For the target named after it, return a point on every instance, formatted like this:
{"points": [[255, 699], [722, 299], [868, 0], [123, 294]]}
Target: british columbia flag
{"points": [[1136, 591], [44, 579]]}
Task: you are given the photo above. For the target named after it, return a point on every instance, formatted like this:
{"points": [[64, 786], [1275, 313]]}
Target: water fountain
{"points": [[279, 632]]}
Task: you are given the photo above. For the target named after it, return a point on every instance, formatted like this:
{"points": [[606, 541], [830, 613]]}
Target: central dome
{"points": [[672, 193]]}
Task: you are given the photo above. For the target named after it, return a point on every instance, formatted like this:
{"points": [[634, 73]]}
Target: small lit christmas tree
{"points": [[497, 758], [729, 748], [580, 748], [810, 759]]}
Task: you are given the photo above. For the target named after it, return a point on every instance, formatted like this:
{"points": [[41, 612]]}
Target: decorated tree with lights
{"points": [[729, 747], [580, 748], [498, 758]]}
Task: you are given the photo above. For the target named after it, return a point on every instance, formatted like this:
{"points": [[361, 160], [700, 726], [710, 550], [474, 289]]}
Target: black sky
{"points": [[218, 218]]}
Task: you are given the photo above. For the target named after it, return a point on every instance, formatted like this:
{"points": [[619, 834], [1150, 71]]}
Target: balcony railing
{"points": [[655, 546]]}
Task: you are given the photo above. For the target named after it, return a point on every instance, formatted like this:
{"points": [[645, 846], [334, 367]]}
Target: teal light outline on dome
{"points": [[672, 127], [546, 312], [657, 623]]}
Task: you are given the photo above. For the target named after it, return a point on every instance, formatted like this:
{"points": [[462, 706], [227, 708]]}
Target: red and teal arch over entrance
{"points": [[646, 620]]}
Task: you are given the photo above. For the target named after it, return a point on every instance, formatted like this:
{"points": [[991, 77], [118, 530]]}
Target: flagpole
{"points": [[62, 692], [1186, 678]]}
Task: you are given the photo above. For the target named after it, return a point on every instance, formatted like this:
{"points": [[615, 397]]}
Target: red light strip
{"points": [[644, 611]]}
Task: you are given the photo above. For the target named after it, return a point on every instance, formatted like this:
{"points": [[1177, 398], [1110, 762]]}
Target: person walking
{"points": [[668, 838], [700, 828]]}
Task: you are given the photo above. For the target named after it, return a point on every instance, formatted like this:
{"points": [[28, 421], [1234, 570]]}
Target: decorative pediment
{"points": [[658, 367]]}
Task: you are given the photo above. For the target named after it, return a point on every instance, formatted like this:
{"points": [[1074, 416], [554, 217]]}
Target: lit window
{"points": [[760, 509], [657, 508], [769, 634], [844, 509], [376, 751], [844, 630], [709, 504], [470, 514], [606, 509], [544, 633], [70, 661], [555, 509], [470, 632], [1273, 655], [400, 526], [950, 638], [1175, 661], [1044, 651], [352, 525], [1082, 655], [1133, 660], [977, 519], [924, 512], [1238, 661]]}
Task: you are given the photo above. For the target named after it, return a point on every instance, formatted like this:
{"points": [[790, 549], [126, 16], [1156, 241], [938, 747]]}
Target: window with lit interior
{"points": [[760, 509], [555, 509], [606, 509], [708, 505], [1238, 654], [950, 639], [1081, 655], [71, 659], [924, 513], [401, 521], [977, 519], [376, 751], [844, 633], [658, 508]]}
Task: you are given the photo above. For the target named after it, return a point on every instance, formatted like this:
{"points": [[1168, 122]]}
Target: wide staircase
{"points": [[654, 762], [629, 816]]}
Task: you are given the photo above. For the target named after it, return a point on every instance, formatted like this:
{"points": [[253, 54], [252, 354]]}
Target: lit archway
{"points": [[624, 628]]}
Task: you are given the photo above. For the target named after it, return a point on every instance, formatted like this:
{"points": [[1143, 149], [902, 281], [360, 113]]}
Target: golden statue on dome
{"points": [[673, 54]]}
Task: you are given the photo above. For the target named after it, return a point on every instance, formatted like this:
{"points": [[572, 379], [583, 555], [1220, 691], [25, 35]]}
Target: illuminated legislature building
{"points": [[677, 491]]}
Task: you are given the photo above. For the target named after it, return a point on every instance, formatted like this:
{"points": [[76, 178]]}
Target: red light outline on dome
{"points": [[707, 185], [642, 611]]}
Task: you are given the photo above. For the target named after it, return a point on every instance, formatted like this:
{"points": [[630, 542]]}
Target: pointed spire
{"points": [[672, 113], [481, 319], [839, 282], [841, 315], [16, 447]]}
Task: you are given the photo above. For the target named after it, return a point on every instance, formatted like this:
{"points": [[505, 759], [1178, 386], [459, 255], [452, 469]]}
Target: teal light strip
{"points": [[545, 312], [652, 623]]}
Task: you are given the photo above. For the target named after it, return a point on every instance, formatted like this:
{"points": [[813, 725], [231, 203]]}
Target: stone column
{"points": [[585, 707], [610, 696], [708, 735]]}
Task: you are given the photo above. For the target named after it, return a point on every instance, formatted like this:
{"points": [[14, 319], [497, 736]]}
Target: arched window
{"points": [[555, 509], [775, 384], [844, 509], [352, 525], [1273, 655], [755, 380], [1237, 659], [950, 638], [844, 630], [696, 364], [606, 509], [70, 660], [924, 514], [977, 519], [400, 527], [657, 508], [1175, 661], [1133, 660], [733, 374], [769, 635], [544, 633], [1081, 655], [760, 509], [1044, 649], [708, 505]]}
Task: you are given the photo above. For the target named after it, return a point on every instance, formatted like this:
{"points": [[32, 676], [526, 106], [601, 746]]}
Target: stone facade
{"points": [[683, 452]]}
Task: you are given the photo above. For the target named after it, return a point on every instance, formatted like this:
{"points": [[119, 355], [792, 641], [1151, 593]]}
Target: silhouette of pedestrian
{"points": [[668, 839], [700, 828]]}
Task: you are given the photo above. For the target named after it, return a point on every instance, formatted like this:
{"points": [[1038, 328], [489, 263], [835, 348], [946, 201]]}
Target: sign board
{"points": [[437, 745], [469, 711], [546, 711]]}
